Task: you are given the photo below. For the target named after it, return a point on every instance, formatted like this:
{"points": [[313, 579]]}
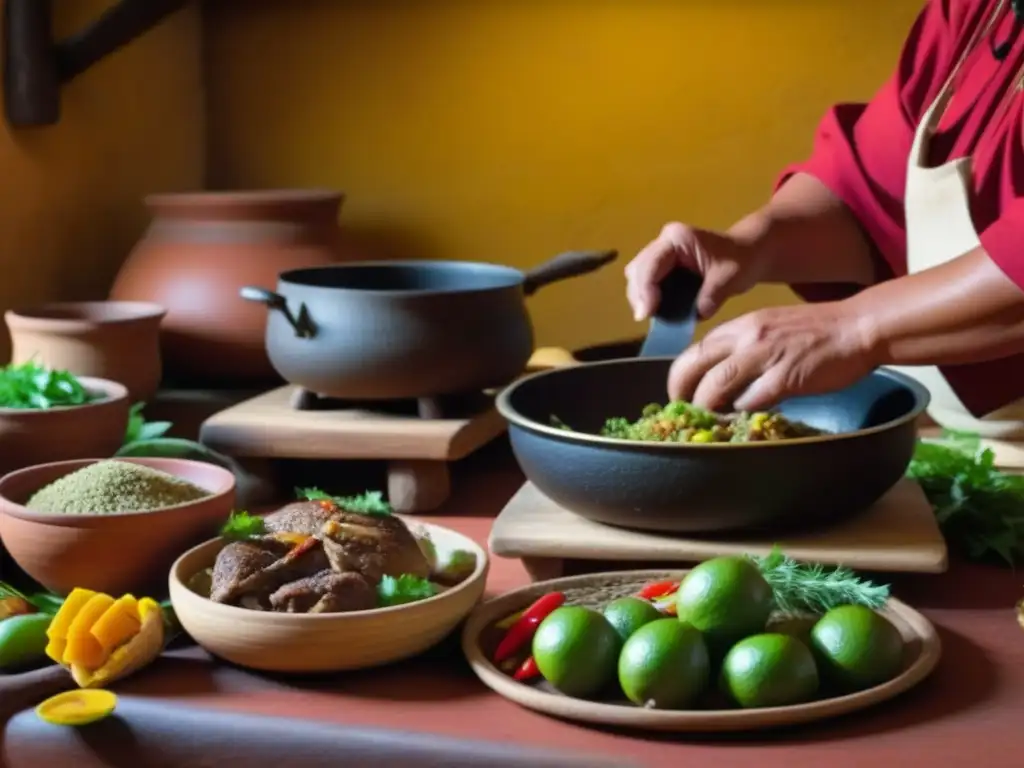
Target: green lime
{"points": [[726, 598], [769, 670], [856, 647], [576, 650], [628, 614], [664, 665]]}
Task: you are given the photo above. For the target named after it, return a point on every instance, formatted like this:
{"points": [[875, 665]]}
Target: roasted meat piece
{"points": [[238, 562], [325, 592], [257, 567], [373, 545], [300, 517]]}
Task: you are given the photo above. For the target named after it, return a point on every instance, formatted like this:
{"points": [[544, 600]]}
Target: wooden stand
{"points": [[417, 450], [899, 533]]}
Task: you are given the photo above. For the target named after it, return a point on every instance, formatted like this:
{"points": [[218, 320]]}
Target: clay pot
{"points": [[115, 340], [116, 554], [198, 252]]}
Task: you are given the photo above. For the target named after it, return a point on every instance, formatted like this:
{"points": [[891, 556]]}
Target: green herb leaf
{"points": [[979, 508], [141, 430], [813, 588], [44, 602], [31, 386], [368, 503], [404, 589], [241, 526]]}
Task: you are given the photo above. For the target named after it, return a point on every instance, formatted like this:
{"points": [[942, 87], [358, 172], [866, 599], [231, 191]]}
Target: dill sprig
{"points": [[813, 588]]}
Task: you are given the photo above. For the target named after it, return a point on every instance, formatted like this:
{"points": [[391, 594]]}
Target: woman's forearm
{"points": [[808, 235], [964, 311]]}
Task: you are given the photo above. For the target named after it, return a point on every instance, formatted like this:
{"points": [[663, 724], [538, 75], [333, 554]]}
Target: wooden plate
{"points": [[479, 638]]}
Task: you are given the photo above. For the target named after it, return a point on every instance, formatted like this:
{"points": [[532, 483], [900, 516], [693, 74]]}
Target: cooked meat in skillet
{"points": [[325, 592]]}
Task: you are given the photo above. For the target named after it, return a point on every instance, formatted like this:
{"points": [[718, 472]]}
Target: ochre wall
{"points": [[70, 194], [511, 130]]}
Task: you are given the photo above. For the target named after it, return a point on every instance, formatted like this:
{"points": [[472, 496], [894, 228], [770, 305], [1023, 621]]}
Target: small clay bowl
{"points": [[118, 553], [326, 642], [116, 340], [37, 436]]}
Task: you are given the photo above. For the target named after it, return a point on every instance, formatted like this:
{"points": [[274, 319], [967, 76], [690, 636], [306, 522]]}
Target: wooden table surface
{"points": [[968, 713]]}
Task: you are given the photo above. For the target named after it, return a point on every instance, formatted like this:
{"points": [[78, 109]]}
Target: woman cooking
{"points": [[905, 228]]}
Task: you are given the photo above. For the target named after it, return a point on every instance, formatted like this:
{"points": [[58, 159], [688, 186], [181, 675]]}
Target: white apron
{"points": [[940, 229]]}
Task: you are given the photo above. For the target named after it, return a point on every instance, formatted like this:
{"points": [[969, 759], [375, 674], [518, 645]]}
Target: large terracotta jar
{"points": [[199, 250]]}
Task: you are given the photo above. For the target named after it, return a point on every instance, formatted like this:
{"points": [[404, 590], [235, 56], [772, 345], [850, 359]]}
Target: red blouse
{"points": [[861, 152]]}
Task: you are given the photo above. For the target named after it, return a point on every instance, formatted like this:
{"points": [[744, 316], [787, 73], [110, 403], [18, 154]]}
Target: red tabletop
{"points": [[968, 713]]}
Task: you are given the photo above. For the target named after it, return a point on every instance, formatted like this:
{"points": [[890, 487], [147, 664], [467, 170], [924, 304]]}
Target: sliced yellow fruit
{"points": [[76, 708], [83, 649], [148, 605], [118, 625], [72, 605], [55, 649], [138, 652]]}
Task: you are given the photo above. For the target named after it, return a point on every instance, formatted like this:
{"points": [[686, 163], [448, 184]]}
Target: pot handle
{"points": [[302, 323], [565, 265]]}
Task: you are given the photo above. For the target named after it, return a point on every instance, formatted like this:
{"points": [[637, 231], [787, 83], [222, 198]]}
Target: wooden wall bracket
{"points": [[35, 66]]}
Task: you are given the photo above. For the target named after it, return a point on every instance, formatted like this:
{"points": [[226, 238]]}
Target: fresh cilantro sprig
{"points": [[368, 503], [404, 589], [241, 526], [32, 386], [979, 508], [813, 588]]}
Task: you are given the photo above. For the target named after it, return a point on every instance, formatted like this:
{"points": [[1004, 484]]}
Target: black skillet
{"points": [[687, 488]]}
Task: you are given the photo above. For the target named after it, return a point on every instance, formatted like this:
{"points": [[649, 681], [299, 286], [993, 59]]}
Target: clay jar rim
{"points": [[70, 316], [26, 482], [262, 204], [110, 392], [208, 551]]}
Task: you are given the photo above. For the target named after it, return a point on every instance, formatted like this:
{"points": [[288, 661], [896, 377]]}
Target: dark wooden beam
{"points": [[35, 66]]}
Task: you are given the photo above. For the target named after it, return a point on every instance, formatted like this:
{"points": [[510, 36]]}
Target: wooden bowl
{"points": [[327, 642], [480, 637], [117, 553], [32, 436]]}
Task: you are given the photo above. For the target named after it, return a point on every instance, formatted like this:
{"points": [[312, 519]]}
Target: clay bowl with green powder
{"points": [[112, 525]]}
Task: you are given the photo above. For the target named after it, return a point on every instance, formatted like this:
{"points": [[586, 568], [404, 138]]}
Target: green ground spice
{"points": [[110, 487]]}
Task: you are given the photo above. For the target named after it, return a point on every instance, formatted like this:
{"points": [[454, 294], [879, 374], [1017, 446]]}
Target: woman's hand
{"points": [[754, 361], [728, 267]]}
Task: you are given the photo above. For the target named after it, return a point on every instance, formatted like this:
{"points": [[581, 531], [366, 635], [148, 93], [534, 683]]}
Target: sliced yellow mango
{"points": [[76, 708], [138, 652], [148, 605], [118, 625], [55, 649], [83, 649], [73, 604]]}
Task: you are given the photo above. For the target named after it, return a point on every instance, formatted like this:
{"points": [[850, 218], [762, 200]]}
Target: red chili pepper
{"points": [[300, 549], [527, 670], [658, 589], [521, 633]]}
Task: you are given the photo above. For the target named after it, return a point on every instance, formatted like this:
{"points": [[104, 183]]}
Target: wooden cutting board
{"points": [[899, 533]]}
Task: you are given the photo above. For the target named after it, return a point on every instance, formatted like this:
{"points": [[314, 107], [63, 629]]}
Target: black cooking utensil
{"points": [[673, 324]]}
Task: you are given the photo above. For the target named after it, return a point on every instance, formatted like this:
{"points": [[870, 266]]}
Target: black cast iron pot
{"points": [[407, 329]]}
